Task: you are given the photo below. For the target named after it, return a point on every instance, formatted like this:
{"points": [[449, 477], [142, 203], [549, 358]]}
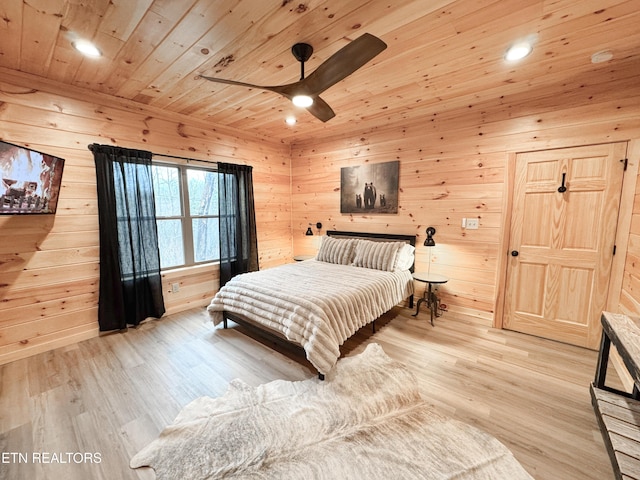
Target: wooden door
{"points": [[561, 243]]}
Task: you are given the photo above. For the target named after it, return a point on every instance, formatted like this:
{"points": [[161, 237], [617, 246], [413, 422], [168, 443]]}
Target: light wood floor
{"points": [[112, 395]]}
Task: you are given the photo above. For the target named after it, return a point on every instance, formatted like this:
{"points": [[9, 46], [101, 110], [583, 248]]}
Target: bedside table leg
{"points": [[428, 298], [420, 300], [433, 304]]}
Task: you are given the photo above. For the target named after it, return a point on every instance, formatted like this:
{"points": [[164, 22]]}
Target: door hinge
{"points": [[626, 163], [614, 249]]}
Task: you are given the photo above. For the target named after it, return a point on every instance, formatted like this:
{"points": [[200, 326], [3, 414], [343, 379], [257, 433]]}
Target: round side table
{"points": [[302, 258], [432, 301]]}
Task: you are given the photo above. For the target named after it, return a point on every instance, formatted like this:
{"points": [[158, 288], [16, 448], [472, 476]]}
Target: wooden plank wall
{"points": [[452, 166], [49, 264], [630, 296]]}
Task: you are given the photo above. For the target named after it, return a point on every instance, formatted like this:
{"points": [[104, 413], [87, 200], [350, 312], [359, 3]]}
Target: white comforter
{"points": [[314, 304]]}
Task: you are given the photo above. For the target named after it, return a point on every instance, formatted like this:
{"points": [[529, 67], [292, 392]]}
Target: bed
{"points": [[317, 304]]}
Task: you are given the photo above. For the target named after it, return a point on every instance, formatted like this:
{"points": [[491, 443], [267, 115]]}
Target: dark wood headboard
{"points": [[411, 239]]}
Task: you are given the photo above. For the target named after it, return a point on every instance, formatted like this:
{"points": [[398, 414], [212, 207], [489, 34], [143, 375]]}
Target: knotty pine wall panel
{"points": [[630, 295], [453, 166], [49, 265]]}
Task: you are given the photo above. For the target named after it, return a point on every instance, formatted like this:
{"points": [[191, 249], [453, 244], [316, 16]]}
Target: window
{"points": [[186, 214]]}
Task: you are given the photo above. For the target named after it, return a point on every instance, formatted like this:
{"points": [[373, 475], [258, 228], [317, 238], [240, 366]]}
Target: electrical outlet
{"points": [[175, 287], [472, 223]]}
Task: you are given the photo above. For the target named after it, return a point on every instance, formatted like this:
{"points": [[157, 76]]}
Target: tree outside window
{"points": [[187, 214]]}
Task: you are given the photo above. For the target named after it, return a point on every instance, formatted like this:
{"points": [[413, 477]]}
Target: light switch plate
{"points": [[472, 223]]}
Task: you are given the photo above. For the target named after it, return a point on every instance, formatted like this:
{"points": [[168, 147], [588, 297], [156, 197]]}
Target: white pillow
{"points": [[335, 250], [376, 255], [405, 257]]}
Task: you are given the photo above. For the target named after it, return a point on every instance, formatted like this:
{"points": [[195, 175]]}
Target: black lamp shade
{"points": [[309, 231], [429, 242]]}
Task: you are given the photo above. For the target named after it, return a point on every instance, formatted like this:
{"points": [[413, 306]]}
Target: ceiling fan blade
{"points": [[276, 88], [343, 63], [321, 110]]}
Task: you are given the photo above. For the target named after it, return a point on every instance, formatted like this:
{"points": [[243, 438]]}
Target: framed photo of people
{"points": [[370, 188]]}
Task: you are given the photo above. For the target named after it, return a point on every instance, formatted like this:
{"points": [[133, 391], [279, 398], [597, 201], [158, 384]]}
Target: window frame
{"points": [[186, 219]]}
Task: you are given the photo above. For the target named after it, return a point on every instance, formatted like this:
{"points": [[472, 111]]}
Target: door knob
{"points": [[515, 253]]}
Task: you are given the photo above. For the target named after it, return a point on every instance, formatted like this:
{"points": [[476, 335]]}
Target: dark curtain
{"points": [[130, 282], [238, 241]]}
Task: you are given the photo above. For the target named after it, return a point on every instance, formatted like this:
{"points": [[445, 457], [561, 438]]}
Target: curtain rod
{"points": [[182, 158], [153, 154], [163, 155]]}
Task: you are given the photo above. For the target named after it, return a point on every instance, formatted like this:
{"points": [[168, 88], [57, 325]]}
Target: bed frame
{"points": [[277, 337]]}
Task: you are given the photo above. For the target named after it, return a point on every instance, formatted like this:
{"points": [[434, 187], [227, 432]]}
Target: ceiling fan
{"points": [[306, 91]]}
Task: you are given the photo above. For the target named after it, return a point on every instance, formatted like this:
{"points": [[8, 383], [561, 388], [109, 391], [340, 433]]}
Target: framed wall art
{"points": [[370, 188]]}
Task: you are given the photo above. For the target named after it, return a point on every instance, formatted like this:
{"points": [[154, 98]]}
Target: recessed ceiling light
{"points": [[518, 51], [601, 56], [302, 101], [86, 48], [290, 120]]}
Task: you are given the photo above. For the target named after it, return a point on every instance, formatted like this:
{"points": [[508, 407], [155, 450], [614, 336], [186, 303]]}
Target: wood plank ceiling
{"points": [[442, 54]]}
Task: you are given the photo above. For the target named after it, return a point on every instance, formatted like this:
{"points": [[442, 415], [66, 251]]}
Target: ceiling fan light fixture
{"points": [[302, 101]]}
